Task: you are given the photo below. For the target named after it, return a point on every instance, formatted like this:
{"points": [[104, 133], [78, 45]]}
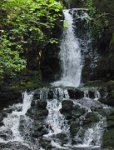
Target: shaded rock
{"points": [[13, 146], [77, 112], [62, 138], [91, 94], [90, 118], [107, 101], [67, 105], [50, 94], [75, 93], [39, 104], [74, 127], [6, 134], [37, 114], [39, 129], [9, 97], [38, 109], [103, 92], [45, 143], [36, 95]]}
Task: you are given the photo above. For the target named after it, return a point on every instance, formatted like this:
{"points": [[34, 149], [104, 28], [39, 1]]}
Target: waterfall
{"points": [[62, 117], [70, 55]]}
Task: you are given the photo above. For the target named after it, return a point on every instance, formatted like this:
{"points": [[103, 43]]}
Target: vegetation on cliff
{"points": [[26, 25]]}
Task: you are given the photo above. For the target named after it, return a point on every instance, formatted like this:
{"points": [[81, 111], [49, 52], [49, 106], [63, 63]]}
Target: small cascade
{"points": [[51, 117], [12, 121], [93, 135], [55, 119]]}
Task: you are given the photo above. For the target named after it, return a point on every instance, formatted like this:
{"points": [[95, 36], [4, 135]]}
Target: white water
{"points": [[11, 122], [55, 119], [70, 56]]}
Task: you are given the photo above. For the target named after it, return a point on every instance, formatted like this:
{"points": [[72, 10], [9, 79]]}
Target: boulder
{"points": [[91, 94], [40, 104], [67, 105], [38, 109], [36, 95], [75, 93], [90, 118], [62, 138], [39, 129]]}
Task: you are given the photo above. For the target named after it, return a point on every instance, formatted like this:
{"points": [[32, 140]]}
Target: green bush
{"points": [[25, 25]]}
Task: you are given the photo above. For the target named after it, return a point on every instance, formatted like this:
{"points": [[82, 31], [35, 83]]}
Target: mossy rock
{"points": [[90, 119], [108, 138]]}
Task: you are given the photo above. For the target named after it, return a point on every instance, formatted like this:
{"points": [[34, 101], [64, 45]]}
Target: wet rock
{"points": [[67, 105], [50, 94], [75, 93], [40, 104], [38, 109], [74, 127], [45, 143], [13, 146], [36, 95], [37, 114], [63, 138], [91, 94], [6, 134], [90, 118], [77, 111], [39, 129]]}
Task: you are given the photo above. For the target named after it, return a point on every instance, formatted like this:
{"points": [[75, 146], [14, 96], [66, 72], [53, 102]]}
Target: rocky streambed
{"points": [[58, 118]]}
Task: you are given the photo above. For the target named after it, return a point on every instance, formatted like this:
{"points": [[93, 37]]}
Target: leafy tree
{"points": [[24, 25]]}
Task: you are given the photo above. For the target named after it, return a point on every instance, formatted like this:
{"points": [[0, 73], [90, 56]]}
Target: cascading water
{"points": [[12, 121], [51, 119], [70, 55], [58, 118]]}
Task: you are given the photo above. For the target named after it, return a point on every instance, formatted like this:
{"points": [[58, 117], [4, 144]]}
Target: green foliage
{"points": [[24, 25], [98, 21], [10, 61]]}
